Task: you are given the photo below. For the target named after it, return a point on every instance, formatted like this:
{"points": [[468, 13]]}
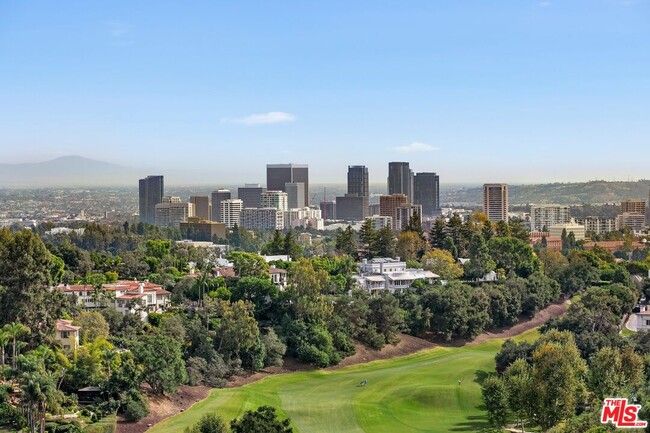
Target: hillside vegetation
{"points": [[594, 192]]}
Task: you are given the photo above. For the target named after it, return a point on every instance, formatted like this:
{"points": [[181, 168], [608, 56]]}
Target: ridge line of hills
{"points": [[75, 171]]}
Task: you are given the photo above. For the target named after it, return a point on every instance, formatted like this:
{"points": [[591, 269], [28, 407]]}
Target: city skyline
{"points": [[443, 84]]}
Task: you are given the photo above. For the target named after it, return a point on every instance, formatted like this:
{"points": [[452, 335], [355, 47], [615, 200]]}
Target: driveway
{"points": [[631, 322]]}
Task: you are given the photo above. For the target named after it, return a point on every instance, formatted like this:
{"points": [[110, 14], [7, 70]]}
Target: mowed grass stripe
{"points": [[415, 393]]}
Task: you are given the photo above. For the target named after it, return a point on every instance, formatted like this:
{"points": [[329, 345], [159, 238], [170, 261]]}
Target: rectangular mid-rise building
{"points": [[201, 206], [495, 201], [269, 218], [546, 215]]}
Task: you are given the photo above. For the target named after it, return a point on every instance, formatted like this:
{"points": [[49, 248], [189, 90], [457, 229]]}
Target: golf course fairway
{"points": [[415, 393]]}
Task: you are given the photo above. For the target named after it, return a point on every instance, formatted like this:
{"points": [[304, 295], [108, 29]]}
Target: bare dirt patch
{"points": [[163, 407]]}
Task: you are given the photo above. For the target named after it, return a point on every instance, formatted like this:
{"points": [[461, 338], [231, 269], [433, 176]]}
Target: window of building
{"points": [[647, 323], [65, 334]]}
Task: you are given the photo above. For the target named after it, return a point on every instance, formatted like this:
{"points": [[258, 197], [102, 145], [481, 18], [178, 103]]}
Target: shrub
{"points": [[135, 407]]}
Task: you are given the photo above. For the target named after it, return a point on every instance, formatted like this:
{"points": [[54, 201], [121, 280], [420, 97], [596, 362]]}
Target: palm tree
{"points": [[38, 393], [4, 341], [15, 330]]}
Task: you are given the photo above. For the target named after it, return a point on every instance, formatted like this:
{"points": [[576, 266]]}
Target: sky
{"points": [[517, 91]]}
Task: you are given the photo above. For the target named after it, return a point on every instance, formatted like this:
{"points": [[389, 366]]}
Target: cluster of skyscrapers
{"points": [[408, 194], [285, 201]]}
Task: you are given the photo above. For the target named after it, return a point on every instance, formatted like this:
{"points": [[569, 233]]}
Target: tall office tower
{"points": [[152, 189], [217, 197], [275, 199], [172, 212], [388, 205], [547, 215], [633, 206], [400, 179], [358, 180], [426, 192], [278, 175], [647, 209], [354, 205], [230, 211], [495, 201], [328, 210], [250, 194], [295, 194], [201, 206]]}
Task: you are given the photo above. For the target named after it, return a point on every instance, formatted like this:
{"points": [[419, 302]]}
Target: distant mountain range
{"points": [[76, 171], [67, 171]]}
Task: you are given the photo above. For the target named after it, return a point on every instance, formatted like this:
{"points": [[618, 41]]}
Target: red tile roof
{"points": [[66, 325]]}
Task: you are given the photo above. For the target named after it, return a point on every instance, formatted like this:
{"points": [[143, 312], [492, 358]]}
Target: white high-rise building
{"points": [[171, 212], [547, 215], [276, 199], [230, 211], [268, 218]]}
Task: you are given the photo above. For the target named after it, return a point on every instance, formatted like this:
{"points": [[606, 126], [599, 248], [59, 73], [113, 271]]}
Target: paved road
{"points": [[631, 323]]}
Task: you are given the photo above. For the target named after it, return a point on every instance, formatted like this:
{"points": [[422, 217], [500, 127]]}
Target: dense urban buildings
{"points": [[578, 230], [598, 225], [546, 215], [152, 189], [217, 197], [358, 183], [404, 214], [230, 211], [171, 212], [328, 210], [201, 206], [201, 230], [426, 193], [274, 199], [633, 206], [633, 220], [295, 194], [495, 201], [250, 194], [400, 179], [388, 205], [633, 215], [279, 175], [353, 206], [265, 218]]}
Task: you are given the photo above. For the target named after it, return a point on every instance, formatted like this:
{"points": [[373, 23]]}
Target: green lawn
{"points": [[416, 393]]}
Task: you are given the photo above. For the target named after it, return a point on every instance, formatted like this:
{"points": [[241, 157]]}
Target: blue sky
{"points": [[515, 91]]}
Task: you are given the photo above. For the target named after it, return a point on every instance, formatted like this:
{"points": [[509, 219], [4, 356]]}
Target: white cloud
{"points": [[262, 118], [118, 29], [416, 146], [119, 32]]}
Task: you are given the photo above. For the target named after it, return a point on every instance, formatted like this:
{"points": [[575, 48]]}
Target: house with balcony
{"points": [[390, 274], [135, 297]]}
